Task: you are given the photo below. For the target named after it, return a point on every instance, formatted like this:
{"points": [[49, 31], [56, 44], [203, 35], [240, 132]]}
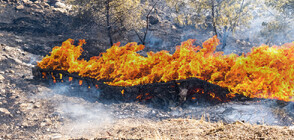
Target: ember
{"points": [[265, 72]]}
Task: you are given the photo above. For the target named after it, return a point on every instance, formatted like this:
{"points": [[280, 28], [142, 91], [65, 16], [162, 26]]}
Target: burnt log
{"points": [[174, 92]]}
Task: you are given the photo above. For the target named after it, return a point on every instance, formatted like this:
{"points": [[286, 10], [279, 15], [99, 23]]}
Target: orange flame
{"points": [[265, 72], [43, 75], [80, 82], [70, 79], [139, 97], [54, 79]]}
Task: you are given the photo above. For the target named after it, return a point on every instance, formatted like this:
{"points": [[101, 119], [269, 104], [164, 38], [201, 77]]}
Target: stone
{"points": [[11, 71], [24, 125], [239, 123], [45, 5], [37, 105], [60, 5], [5, 111], [153, 20], [174, 27], [8, 136], [20, 7], [1, 78], [48, 121], [27, 106], [43, 124], [18, 40], [56, 136], [28, 3]]}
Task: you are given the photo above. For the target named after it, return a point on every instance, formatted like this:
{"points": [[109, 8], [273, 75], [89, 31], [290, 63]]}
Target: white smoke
{"points": [[82, 116]]}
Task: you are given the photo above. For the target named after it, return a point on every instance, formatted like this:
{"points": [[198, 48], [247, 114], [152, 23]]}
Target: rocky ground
{"points": [[30, 109]]}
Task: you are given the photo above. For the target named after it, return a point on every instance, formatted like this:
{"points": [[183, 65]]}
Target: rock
{"points": [[55, 136], [174, 27], [8, 136], [239, 123], [27, 106], [48, 121], [2, 72], [43, 124], [5, 111], [24, 125], [1, 78], [59, 10], [20, 7], [45, 5], [11, 71], [60, 5], [153, 20], [18, 40], [2, 91], [4, 102], [37, 105], [28, 2]]}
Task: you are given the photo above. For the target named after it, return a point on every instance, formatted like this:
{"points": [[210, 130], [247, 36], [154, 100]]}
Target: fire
{"points": [[265, 72], [80, 82], [43, 75], [53, 77], [139, 97]]}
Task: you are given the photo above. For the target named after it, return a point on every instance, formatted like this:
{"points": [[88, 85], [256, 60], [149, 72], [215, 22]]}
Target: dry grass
{"points": [[191, 129]]}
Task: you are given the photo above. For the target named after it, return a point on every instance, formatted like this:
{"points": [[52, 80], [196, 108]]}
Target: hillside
{"points": [[32, 109]]}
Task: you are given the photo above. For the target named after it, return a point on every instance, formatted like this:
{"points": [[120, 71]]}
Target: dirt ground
{"points": [[30, 109], [193, 129]]}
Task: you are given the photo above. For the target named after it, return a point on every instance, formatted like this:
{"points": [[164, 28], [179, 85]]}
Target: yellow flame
{"points": [[265, 72]]}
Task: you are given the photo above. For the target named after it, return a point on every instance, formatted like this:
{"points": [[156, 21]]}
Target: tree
{"points": [[225, 15], [284, 6], [280, 28], [143, 37], [114, 15]]}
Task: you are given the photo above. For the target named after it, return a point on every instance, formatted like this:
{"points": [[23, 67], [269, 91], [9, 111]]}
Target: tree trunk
{"points": [[108, 22], [213, 17], [143, 40], [224, 37]]}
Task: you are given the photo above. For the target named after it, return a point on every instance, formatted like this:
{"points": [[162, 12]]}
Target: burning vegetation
{"points": [[265, 72]]}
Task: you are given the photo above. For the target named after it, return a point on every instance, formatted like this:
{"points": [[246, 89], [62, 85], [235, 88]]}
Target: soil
{"points": [[31, 109]]}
